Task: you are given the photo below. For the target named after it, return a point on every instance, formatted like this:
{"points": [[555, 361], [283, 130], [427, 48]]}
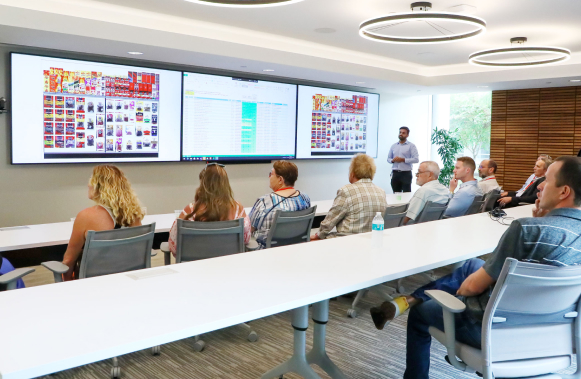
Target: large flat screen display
{"points": [[335, 123], [227, 118], [71, 111]]}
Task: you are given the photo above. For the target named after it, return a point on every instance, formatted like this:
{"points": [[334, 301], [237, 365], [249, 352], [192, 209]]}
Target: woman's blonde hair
{"points": [[214, 198], [112, 190], [362, 166]]}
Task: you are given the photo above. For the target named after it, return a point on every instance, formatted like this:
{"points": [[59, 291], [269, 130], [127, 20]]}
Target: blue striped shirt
{"points": [[408, 151], [262, 212]]}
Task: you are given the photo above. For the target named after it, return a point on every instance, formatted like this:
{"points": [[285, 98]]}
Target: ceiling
{"points": [[285, 39]]}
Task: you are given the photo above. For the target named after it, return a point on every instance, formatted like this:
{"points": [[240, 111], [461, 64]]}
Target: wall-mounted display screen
{"points": [[336, 123], [227, 118], [71, 111]]}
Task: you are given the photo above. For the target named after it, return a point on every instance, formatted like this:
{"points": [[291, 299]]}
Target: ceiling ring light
{"points": [[561, 55], [245, 3], [420, 12]]}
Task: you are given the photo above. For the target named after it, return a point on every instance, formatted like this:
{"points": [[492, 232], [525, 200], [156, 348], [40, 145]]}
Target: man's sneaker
{"points": [[389, 310]]}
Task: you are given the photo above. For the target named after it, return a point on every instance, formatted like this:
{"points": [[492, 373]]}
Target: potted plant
{"points": [[449, 147]]}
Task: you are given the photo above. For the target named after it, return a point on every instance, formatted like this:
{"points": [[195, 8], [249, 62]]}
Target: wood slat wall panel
{"points": [[526, 123]]}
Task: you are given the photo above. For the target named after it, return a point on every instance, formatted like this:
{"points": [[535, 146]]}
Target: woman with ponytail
{"points": [[116, 207], [213, 201]]}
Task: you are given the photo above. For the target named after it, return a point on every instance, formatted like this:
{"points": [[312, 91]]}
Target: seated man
{"points": [[533, 177], [356, 204], [529, 195], [552, 239], [431, 190], [487, 171], [468, 190]]}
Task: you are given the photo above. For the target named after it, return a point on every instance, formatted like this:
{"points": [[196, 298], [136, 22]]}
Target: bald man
{"points": [[487, 171]]}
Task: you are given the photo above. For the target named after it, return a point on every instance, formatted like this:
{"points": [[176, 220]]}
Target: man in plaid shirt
{"points": [[356, 203]]}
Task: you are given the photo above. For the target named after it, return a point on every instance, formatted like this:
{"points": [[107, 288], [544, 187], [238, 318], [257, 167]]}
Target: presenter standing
{"points": [[402, 155]]}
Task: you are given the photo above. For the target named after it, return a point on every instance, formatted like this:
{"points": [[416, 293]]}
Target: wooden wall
{"points": [[529, 122]]}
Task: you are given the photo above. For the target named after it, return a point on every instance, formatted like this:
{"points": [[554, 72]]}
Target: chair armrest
{"points": [[252, 244], [164, 247], [450, 305], [9, 279], [447, 301], [57, 268]]}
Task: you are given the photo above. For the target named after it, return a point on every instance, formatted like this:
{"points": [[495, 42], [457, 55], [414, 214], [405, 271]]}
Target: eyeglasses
{"points": [[420, 172], [214, 164], [270, 174]]}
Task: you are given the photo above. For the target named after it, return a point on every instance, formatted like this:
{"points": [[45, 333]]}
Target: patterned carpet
{"points": [[361, 351]]}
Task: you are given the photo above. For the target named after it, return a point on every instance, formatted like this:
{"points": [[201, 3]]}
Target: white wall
{"points": [[36, 194]]}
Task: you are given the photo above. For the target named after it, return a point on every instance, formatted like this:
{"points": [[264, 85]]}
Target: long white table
{"points": [[112, 315], [42, 235]]}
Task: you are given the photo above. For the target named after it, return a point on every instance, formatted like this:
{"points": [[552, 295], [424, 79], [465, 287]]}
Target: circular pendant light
{"points": [[385, 29], [528, 56], [245, 3]]}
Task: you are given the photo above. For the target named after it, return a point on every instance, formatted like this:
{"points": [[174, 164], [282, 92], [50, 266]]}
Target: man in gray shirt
{"points": [[550, 237], [431, 190], [402, 155]]}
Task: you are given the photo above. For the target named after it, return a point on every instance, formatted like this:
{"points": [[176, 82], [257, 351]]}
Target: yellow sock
{"points": [[402, 304]]}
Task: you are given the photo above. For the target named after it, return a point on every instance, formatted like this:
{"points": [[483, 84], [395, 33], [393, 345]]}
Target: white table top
{"points": [[58, 233], [115, 314]]}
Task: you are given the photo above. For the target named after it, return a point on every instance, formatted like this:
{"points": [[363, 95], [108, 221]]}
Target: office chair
{"points": [[198, 240], [531, 325], [112, 252], [9, 280], [476, 206], [490, 200], [290, 227]]}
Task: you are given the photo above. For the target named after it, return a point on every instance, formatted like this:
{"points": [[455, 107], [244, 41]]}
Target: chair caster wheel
{"points": [[156, 350], [115, 372], [199, 346], [351, 313], [252, 336]]}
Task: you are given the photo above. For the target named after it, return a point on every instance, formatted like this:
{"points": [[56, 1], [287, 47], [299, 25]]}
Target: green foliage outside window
{"points": [[470, 115]]}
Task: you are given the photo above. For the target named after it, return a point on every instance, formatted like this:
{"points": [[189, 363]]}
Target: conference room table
{"points": [[119, 314], [58, 233]]}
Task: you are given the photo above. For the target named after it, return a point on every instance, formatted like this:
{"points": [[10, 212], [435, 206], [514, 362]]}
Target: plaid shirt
{"points": [[353, 209]]}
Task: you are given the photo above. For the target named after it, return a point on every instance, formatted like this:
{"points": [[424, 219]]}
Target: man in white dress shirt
{"points": [[542, 157], [487, 171], [430, 190]]}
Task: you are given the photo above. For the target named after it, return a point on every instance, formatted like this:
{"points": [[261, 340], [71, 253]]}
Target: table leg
{"points": [[298, 362], [318, 355]]}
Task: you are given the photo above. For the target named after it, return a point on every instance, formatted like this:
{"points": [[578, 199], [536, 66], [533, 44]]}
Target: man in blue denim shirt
{"points": [[469, 189], [553, 239]]}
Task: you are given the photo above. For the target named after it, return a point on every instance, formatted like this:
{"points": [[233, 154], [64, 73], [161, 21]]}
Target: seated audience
{"points": [[468, 190], [487, 171], [213, 201], [285, 197], [116, 207], [430, 190], [6, 267], [549, 237], [533, 177], [529, 195], [356, 203]]}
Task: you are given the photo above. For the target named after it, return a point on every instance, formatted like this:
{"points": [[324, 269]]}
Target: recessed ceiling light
{"points": [[325, 30], [575, 80], [242, 66], [482, 87], [359, 82], [245, 3], [135, 53], [419, 90], [267, 70]]}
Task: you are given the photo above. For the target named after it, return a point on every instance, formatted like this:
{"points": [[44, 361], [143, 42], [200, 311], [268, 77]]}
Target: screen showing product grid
{"points": [[68, 111], [227, 118]]}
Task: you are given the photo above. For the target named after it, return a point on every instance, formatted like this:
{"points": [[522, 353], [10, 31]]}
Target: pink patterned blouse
{"points": [[240, 213]]}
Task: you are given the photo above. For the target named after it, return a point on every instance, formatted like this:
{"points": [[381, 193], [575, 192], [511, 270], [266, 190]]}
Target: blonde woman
{"points": [[116, 207], [214, 201]]}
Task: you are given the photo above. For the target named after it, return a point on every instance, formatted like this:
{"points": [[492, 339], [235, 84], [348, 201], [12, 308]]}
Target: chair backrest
{"points": [[476, 206], [393, 220], [394, 209], [431, 212], [291, 227], [118, 250], [533, 313], [490, 200], [208, 239]]}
